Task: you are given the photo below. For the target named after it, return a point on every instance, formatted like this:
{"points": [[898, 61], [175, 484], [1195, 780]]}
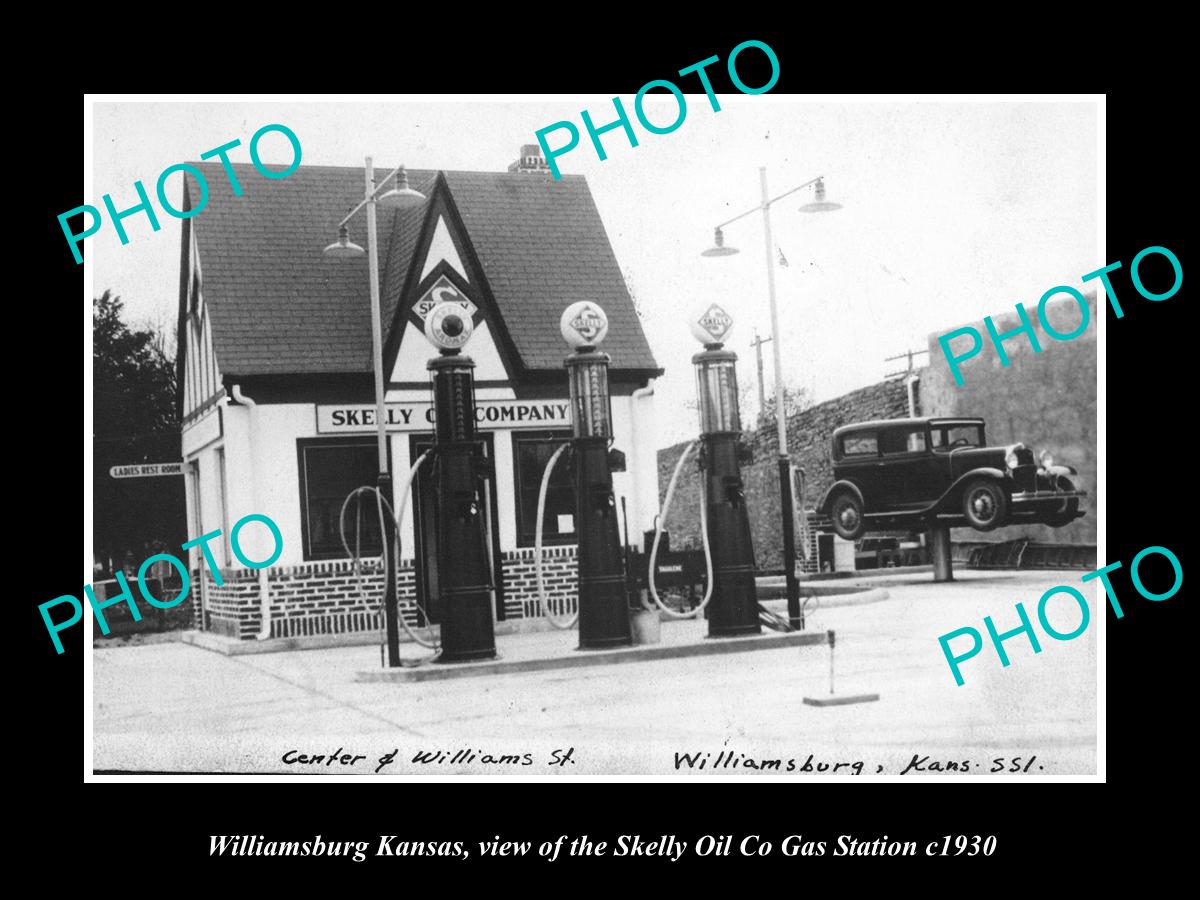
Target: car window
{"points": [[949, 437], [860, 444], [903, 440]]}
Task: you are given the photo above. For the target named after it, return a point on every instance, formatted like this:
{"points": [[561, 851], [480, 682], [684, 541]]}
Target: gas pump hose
{"points": [[662, 515], [382, 502], [537, 551]]}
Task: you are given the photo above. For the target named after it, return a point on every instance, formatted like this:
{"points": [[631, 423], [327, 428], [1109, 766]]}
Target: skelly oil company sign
{"points": [[490, 415]]}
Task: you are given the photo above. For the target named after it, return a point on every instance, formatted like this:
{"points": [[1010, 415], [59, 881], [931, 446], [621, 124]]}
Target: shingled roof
{"points": [[278, 307]]}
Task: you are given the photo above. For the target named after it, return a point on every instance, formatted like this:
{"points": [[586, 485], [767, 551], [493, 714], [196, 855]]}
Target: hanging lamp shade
{"points": [[819, 203], [343, 247], [401, 196], [718, 248]]}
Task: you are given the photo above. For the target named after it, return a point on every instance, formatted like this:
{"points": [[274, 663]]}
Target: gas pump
{"points": [[464, 561], [725, 525], [464, 572], [603, 615]]}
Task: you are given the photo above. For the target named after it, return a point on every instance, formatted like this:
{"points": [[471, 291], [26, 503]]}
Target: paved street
{"points": [[174, 707]]}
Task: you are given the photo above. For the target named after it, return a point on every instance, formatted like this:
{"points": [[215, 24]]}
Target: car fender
{"points": [[951, 495], [823, 507], [1061, 470]]}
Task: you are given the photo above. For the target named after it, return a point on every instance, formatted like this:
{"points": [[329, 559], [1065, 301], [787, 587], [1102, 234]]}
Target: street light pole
{"points": [[399, 197], [786, 502], [391, 611]]}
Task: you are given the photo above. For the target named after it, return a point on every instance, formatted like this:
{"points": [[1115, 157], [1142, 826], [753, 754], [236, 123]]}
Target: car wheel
{"points": [[1065, 515], [985, 504], [846, 510]]}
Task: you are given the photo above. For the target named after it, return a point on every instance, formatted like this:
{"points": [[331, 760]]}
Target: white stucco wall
{"points": [[263, 476], [211, 514]]}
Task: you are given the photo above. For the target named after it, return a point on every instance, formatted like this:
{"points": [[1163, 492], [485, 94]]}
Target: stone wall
{"points": [[1046, 400], [809, 434]]}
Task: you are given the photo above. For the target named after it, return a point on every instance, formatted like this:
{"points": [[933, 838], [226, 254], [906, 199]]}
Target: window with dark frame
{"points": [[531, 452], [902, 440], [329, 471], [946, 437], [861, 444]]}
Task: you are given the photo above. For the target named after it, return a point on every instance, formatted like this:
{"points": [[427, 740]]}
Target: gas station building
{"points": [[276, 384]]}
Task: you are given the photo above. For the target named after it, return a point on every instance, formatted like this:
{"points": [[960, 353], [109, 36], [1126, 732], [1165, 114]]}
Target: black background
{"points": [[131, 832]]}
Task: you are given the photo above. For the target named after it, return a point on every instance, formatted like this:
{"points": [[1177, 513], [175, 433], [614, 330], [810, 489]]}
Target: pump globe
{"points": [[448, 326], [583, 324], [710, 323]]}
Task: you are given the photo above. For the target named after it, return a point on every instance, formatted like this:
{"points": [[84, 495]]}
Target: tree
{"points": [[134, 421], [795, 400], [133, 375]]}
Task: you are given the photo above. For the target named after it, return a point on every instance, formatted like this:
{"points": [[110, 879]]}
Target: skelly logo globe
{"points": [[712, 325], [588, 323], [583, 324]]}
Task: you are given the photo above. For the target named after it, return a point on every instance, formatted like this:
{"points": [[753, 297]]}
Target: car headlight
{"points": [[1046, 459], [1011, 459]]}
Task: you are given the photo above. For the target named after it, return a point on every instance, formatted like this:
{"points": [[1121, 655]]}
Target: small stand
{"points": [[939, 552], [833, 699]]}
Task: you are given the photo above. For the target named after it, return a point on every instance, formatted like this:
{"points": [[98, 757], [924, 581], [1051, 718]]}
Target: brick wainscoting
{"points": [[330, 598], [560, 567]]}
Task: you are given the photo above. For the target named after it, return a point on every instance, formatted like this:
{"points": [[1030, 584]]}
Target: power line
{"points": [[908, 354]]}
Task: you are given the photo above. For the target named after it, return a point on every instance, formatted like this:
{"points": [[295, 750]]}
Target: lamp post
{"points": [[786, 502], [399, 197]]}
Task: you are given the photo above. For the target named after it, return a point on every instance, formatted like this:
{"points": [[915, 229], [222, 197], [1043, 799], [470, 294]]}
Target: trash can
{"points": [[645, 622]]}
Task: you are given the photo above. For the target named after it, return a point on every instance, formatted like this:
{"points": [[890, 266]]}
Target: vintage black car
{"points": [[908, 472]]}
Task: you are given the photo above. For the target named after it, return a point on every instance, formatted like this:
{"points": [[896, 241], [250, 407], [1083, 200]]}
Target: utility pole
{"points": [[908, 355], [762, 391]]}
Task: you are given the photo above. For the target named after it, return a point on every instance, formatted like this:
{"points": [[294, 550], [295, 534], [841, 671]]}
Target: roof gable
{"points": [[279, 307], [443, 280]]}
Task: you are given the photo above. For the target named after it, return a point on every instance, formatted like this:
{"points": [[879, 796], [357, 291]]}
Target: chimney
{"points": [[530, 161]]}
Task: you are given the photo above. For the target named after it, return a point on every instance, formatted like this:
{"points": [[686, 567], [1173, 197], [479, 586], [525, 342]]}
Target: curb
{"points": [[827, 597], [643, 653]]}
